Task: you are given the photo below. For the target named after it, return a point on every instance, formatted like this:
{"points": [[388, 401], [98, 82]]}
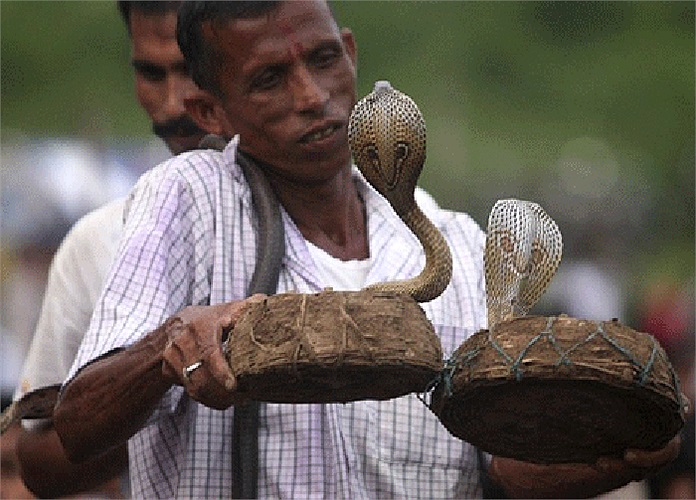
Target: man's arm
{"points": [[110, 399], [526, 480], [48, 473]]}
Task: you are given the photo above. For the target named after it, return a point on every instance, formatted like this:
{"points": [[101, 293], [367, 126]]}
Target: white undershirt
{"points": [[339, 274]]}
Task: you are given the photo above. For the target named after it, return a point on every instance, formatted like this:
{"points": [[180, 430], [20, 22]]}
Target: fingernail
{"points": [[230, 384]]}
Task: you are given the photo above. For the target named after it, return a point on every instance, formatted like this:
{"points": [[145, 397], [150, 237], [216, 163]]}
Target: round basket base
{"points": [[341, 384], [560, 421], [333, 347], [560, 390]]}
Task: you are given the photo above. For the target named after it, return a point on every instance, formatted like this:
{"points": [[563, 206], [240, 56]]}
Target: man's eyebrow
{"points": [[143, 64], [325, 44]]}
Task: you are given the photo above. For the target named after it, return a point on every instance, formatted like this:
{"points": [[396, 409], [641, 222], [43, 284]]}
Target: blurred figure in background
{"points": [[80, 265], [667, 312], [588, 284]]}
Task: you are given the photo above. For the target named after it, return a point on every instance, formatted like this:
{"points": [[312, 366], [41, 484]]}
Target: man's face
{"points": [[161, 79], [288, 86]]}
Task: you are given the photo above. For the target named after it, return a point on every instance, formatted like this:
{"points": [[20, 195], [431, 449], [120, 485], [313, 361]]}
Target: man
{"points": [[281, 75], [79, 268]]}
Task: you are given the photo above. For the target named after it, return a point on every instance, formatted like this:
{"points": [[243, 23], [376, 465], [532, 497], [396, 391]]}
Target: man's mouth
{"points": [[178, 127], [320, 134]]}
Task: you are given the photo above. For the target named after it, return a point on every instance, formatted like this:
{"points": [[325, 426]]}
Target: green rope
{"points": [[517, 367], [445, 377], [564, 356]]}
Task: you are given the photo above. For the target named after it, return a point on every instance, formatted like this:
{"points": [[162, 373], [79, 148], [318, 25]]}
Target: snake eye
{"points": [[401, 151], [371, 152]]}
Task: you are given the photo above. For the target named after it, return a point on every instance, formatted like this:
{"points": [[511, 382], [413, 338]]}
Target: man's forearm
{"points": [[48, 473], [109, 400], [528, 480]]}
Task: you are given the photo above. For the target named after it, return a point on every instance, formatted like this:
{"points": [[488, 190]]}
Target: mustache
{"points": [[181, 126]]}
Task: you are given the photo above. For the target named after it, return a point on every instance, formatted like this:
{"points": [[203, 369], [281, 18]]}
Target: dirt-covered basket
{"points": [[559, 390], [333, 347]]}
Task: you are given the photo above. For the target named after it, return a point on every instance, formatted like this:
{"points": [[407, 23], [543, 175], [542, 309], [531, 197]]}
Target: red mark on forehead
{"points": [[296, 48]]}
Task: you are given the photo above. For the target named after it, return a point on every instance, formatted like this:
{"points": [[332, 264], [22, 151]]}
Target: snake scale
{"points": [[386, 134]]}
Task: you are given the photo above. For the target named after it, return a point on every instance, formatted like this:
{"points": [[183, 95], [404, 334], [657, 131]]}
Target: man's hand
{"points": [[527, 480], [646, 463], [110, 399], [195, 342]]}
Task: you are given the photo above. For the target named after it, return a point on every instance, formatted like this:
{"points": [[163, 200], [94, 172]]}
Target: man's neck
{"points": [[331, 215]]}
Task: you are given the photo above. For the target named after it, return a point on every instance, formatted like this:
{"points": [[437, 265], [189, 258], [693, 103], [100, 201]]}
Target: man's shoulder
{"points": [[197, 162], [106, 214], [198, 172], [94, 236], [102, 221], [198, 180]]}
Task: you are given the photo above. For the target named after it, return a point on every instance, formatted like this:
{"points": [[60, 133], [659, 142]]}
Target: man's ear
{"points": [[205, 109], [350, 45]]}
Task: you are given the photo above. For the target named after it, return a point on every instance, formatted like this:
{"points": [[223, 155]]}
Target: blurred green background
{"points": [[584, 107]]}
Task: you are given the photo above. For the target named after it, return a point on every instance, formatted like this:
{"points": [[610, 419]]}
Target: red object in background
{"points": [[668, 315]]}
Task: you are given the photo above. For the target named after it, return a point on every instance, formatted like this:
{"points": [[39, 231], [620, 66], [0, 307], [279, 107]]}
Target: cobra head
{"points": [[523, 251], [386, 134]]}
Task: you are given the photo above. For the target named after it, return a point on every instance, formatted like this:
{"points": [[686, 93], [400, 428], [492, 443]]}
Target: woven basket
{"points": [[333, 347], [559, 390]]}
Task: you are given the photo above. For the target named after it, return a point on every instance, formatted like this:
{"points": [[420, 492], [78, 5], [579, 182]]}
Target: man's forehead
{"points": [[165, 21], [153, 28], [288, 22]]}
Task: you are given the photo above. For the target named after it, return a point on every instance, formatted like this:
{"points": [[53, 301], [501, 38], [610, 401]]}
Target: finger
{"points": [[234, 311], [257, 297], [651, 459], [173, 355], [204, 388], [220, 370], [183, 353], [170, 373], [222, 318], [213, 383], [238, 308]]}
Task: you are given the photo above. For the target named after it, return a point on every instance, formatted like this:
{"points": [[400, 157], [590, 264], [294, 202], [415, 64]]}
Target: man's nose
{"points": [[308, 93], [177, 88]]}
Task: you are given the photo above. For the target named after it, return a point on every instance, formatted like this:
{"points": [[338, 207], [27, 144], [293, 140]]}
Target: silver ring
{"points": [[188, 370]]}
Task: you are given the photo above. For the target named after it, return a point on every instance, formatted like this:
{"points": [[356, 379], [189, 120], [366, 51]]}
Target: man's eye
{"points": [[325, 57], [267, 80], [151, 74]]}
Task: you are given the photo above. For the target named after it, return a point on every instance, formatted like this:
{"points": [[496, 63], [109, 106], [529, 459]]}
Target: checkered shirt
{"points": [[190, 239]]}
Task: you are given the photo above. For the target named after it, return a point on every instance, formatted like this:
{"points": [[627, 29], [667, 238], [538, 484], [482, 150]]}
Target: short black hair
{"points": [[125, 8], [203, 59]]}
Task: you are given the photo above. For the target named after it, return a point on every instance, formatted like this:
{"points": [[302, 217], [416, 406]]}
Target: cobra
{"points": [[386, 134]]}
